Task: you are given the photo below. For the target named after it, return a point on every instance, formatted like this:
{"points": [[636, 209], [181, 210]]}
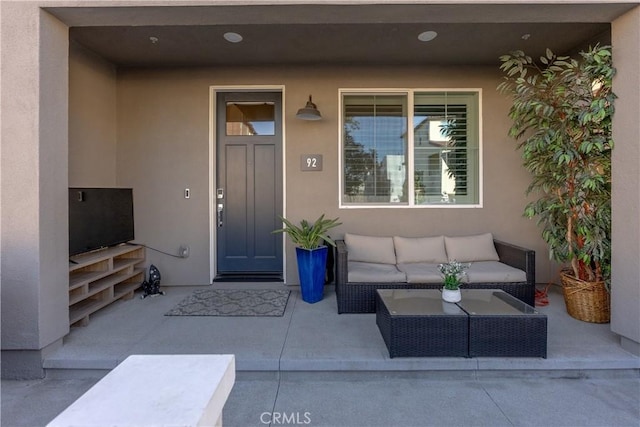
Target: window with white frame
{"points": [[439, 151]]}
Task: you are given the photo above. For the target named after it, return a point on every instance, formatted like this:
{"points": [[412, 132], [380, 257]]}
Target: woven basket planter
{"points": [[586, 301]]}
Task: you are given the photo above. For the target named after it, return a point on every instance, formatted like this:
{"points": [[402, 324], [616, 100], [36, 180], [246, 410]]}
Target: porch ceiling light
{"points": [[427, 36], [232, 37], [309, 112]]}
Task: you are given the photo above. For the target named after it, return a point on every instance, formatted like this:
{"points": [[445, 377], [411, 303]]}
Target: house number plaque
{"points": [[311, 162]]}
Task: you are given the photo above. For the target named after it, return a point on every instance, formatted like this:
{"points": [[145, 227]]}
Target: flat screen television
{"points": [[99, 218]]}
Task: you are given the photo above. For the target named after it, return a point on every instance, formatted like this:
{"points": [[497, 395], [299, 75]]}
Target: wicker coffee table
{"points": [[416, 322], [487, 322], [503, 326]]}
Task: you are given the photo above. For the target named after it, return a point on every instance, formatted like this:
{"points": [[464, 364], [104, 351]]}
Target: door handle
{"points": [[219, 212]]}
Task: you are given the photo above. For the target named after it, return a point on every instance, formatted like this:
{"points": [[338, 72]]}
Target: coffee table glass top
{"points": [[417, 302], [493, 301]]}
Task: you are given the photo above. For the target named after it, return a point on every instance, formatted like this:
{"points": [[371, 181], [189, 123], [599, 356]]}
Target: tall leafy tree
{"points": [[562, 113]]}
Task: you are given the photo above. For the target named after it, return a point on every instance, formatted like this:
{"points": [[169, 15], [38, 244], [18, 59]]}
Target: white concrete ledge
{"points": [[156, 390]]}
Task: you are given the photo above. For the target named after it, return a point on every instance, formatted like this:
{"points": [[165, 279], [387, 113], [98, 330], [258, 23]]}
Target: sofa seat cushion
{"points": [[374, 273], [471, 248], [494, 272], [378, 250], [420, 249], [421, 272]]}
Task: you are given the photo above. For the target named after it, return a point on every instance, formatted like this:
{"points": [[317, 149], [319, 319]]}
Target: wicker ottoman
{"points": [[503, 326], [417, 323]]}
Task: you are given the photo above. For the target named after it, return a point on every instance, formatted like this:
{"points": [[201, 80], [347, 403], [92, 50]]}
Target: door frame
{"points": [[213, 94]]}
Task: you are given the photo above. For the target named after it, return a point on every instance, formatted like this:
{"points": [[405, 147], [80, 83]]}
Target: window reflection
{"points": [[439, 164], [375, 141], [445, 149], [250, 118]]}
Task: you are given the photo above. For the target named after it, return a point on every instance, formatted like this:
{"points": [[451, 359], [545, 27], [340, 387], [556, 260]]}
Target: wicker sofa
{"points": [[367, 263]]}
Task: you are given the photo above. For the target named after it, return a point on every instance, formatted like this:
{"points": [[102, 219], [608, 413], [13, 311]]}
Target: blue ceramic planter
{"points": [[311, 271]]}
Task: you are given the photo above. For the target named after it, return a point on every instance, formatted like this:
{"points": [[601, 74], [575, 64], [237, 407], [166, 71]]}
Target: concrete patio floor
{"points": [[314, 338], [315, 367]]}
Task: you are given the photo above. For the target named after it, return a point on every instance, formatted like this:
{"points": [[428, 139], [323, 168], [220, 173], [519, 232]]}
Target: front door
{"points": [[249, 185]]}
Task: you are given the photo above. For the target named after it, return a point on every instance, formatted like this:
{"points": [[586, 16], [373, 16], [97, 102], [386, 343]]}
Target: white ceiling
{"points": [[335, 34]]}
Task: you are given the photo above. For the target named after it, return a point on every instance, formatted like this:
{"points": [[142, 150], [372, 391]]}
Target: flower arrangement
{"points": [[453, 272]]}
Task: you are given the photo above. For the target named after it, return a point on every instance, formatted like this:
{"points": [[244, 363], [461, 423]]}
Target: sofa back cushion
{"points": [[471, 248], [370, 249], [420, 249]]}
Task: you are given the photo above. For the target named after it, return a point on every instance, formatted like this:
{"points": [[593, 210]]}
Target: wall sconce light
{"points": [[309, 112]]}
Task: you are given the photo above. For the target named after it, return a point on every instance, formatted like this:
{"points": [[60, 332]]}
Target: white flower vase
{"points": [[450, 308], [451, 296]]}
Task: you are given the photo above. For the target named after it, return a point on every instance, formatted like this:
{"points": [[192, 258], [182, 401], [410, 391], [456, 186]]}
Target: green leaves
{"points": [[452, 272], [307, 235], [561, 112]]}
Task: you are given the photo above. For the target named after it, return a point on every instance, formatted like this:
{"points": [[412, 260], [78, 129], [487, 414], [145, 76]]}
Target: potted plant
{"points": [[311, 253], [562, 112], [452, 272]]}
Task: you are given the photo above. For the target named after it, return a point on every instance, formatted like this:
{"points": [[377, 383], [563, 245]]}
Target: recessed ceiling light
{"points": [[427, 36], [232, 37]]}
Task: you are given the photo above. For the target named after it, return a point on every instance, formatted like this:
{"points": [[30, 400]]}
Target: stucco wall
{"points": [[163, 147], [35, 276], [92, 119], [625, 286]]}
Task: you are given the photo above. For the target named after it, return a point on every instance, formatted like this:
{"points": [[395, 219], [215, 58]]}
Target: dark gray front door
{"points": [[249, 184]]}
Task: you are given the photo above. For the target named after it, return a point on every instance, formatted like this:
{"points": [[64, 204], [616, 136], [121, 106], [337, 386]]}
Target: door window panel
{"points": [[251, 118]]}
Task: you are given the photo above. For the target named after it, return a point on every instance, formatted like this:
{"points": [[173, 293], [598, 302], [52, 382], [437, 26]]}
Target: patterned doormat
{"points": [[228, 302]]}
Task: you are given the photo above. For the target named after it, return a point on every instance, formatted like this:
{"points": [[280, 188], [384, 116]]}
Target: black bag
{"points": [[152, 286]]}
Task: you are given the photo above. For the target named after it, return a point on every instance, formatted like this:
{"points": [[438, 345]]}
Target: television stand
{"points": [[96, 279]]}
